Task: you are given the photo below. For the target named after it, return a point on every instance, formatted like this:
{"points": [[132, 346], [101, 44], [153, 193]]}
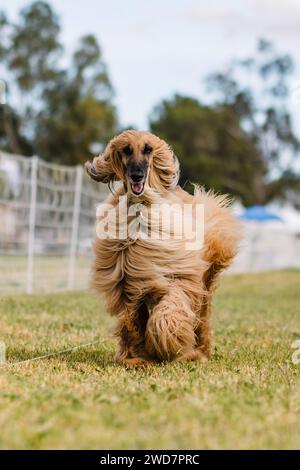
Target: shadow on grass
{"points": [[103, 356]]}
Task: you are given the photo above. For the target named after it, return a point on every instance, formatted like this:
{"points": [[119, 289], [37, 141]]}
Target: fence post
{"points": [[75, 227], [32, 220]]}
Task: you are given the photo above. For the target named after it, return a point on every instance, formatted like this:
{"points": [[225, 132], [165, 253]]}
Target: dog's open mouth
{"points": [[137, 187]]}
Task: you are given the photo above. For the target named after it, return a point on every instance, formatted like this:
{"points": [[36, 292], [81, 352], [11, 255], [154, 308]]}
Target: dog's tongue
{"points": [[137, 187]]}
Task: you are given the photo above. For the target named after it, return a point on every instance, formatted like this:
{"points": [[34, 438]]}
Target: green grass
{"points": [[247, 396]]}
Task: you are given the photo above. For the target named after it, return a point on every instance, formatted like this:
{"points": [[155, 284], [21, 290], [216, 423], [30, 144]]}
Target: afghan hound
{"points": [[159, 286]]}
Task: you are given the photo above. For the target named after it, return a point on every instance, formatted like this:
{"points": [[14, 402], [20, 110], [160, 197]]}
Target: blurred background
{"points": [[219, 81]]}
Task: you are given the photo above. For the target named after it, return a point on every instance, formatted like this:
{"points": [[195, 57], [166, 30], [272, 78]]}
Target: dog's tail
{"points": [[221, 234], [221, 237]]}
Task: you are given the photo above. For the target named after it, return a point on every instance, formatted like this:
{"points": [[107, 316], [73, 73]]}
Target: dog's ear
{"points": [[106, 167], [166, 167], [100, 169]]}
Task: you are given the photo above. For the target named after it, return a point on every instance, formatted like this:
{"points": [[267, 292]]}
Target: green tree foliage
{"points": [[34, 47], [210, 144], [243, 143], [78, 109], [3, 26], [257, 91], [65, 110]]}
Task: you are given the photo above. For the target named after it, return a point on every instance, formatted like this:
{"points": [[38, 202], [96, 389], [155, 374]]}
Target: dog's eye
{"points": [[128, 150], [147, 149]]}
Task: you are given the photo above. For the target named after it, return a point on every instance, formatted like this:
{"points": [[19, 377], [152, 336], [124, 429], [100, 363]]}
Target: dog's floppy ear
{"points": [[165, 166], [105, 167]]}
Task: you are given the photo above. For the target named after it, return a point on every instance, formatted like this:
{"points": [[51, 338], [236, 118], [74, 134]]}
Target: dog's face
{"points": [[140, 159], [136, 154]]}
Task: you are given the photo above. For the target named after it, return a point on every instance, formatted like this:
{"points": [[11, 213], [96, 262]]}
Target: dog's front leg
{"points": [[131, 352], [170, 332]]}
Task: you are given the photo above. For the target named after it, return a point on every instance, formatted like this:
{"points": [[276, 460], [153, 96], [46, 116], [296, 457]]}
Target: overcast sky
{"points": [[156, 48]]}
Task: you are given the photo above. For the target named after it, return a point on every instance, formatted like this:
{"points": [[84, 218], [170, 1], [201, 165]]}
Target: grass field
{"points": [[247, 396], [50, 273]]}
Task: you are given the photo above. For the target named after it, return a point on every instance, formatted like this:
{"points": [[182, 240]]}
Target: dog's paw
{"points": [[195, 355], [136, 362]]}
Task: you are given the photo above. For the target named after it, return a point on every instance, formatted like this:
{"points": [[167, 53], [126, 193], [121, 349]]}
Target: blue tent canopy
{"points": [[259, 213]]}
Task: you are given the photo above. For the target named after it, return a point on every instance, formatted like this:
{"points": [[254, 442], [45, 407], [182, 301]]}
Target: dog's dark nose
{"points": [[137, 176]]}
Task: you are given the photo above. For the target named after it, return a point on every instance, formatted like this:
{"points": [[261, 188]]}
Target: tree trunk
{"points": [[11, 131]]}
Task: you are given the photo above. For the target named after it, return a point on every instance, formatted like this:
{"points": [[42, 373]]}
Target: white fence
{"points": [[47, 217]]}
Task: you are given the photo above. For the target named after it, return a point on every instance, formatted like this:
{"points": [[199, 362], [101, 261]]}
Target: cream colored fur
{"points": [[160, 291]]}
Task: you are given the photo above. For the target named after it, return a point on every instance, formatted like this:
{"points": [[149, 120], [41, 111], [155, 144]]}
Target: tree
{"points": [[10, 138], [243, 142], [263, 113], [65, 110], [78, 108], [34, 49], [212, 147]]}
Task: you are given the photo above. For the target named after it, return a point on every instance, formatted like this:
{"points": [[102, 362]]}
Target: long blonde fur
{"points": [[160, 291]]}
